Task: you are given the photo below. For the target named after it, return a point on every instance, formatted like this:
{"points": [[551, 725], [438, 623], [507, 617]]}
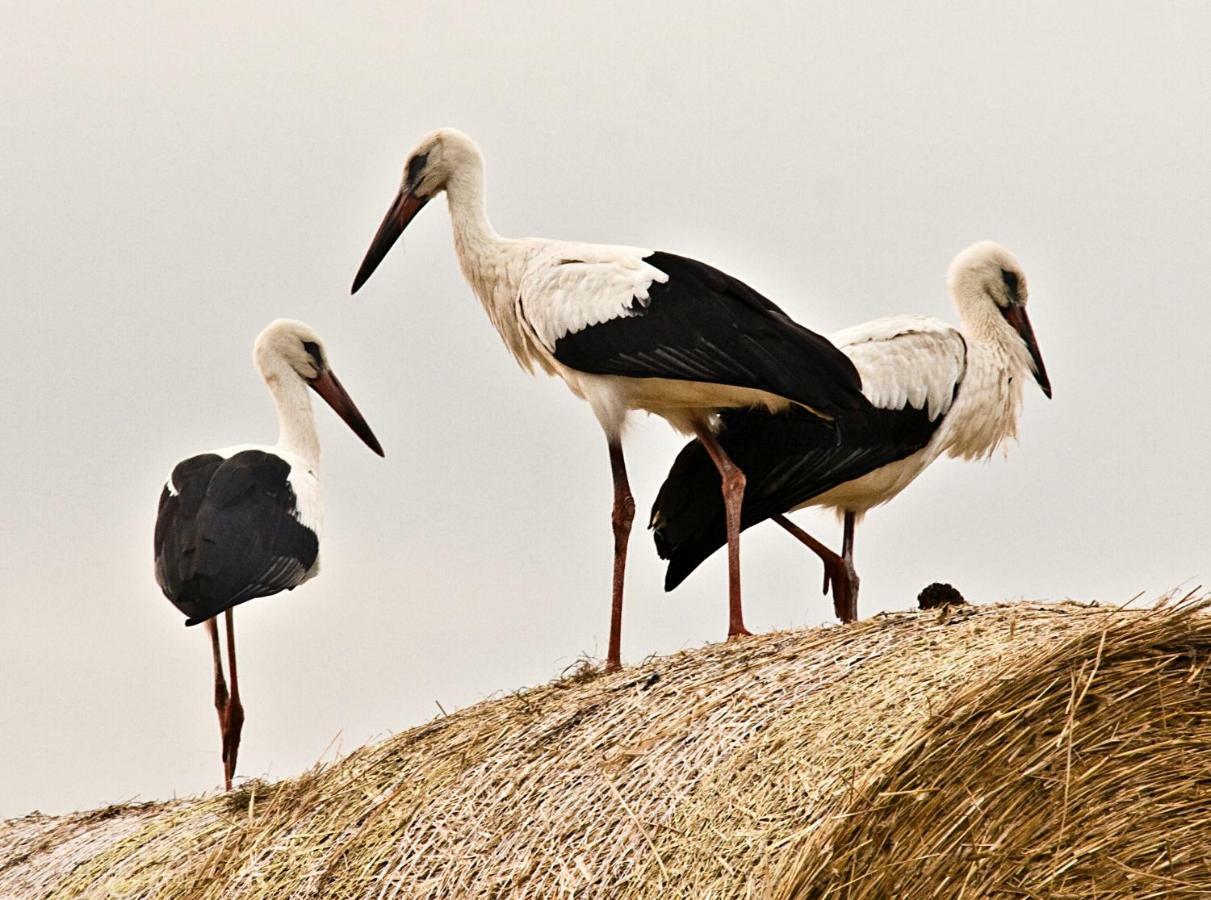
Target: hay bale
{"points": [[1025, 750]]}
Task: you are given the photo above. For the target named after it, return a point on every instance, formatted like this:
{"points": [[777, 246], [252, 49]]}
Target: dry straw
{"points": [[1023, 750]]}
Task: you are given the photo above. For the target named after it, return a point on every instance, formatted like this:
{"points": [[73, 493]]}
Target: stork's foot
{"points": [[738, 631], [841, 576], [233, 726]]}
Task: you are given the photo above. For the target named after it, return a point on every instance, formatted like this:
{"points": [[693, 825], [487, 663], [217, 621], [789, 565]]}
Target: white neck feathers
{"points": [[468, 213], [493, 265], [998, 365], [296, 420]]}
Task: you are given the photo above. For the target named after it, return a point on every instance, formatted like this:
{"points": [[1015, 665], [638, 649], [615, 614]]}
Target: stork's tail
{"points": [[688, 522], [787, 459]]}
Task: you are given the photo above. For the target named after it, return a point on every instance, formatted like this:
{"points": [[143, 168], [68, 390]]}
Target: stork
{"points": [[933, 389], [626, 328], [244, 521]]}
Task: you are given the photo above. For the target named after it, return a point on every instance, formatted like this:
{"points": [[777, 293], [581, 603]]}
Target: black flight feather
{"points": [[704, 325]]}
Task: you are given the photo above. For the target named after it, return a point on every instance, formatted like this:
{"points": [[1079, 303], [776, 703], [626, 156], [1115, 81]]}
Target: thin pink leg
{"points": [[220, 685], [233, 722], [847, 553], [733, 497], [837, 572], [623, 515]]}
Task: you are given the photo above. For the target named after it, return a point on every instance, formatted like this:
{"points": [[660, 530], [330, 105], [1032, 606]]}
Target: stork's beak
{"points": [[1015, 315], [336, 396], [403, 210]]}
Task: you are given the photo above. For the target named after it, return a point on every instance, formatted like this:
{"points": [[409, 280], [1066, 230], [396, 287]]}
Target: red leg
{"points": [[837, 572], [623, 515], [220, 686], [847, 553], [233, 723], [733, 497]]}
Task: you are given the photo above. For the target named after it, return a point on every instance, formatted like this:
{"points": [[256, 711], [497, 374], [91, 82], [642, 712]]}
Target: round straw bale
{"points": [[1021, 750]]}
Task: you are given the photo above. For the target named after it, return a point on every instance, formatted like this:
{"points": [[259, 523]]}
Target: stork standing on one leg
{"points": [[626, 328], [934, 389], [244, 521]]}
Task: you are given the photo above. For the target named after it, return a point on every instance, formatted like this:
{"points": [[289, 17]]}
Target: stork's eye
{"points": [[1011, 282], [313, 350], [416, 165]]}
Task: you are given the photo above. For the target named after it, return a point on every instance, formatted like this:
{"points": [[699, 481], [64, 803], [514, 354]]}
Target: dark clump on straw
{"points": [[937, 595], [1021, 750]]}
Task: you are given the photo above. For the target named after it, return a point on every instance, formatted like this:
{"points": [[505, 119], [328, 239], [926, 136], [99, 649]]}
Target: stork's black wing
{"points": [[704, 325], [787, 459], [228, 531]]}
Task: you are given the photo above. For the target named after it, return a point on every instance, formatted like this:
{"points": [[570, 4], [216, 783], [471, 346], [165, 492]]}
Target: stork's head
{"points": [[440, 158], [989, 287], [289, 349]]}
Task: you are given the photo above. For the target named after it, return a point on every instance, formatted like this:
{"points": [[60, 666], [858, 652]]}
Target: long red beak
{"points": [[338, 398], [403, 210], [1015, 315]]}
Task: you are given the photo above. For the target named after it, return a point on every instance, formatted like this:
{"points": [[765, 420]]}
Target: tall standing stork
{"points": [[626, 328], [244, 522], [933, 389]]}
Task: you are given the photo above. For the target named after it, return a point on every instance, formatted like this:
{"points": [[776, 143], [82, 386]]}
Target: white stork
{"points": [[244, 521], [933, 389], [626, 328]]}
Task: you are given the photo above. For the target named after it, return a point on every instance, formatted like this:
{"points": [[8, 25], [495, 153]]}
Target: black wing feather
{"points": [[704, 325], [787, 458], [229, 533]]}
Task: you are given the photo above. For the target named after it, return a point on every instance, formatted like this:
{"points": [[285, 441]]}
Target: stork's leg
{"points": [[233, 721], [847, 553], [623, 515], [837, 572], [733, 497], [220, 685]]}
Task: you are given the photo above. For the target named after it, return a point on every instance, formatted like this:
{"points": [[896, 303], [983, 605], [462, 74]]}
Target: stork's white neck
{"points": [[998, 365], [493, 265], [296, 421], [473, 233]]}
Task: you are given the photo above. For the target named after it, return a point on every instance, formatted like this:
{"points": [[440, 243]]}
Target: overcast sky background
{"points": [[171, 182]]}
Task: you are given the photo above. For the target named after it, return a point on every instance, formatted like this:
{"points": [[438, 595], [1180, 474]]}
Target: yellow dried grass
{"points": [[1021, 750]]}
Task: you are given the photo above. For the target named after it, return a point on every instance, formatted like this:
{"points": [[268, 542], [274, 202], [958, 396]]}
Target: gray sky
{"points": [[172, 182]]}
